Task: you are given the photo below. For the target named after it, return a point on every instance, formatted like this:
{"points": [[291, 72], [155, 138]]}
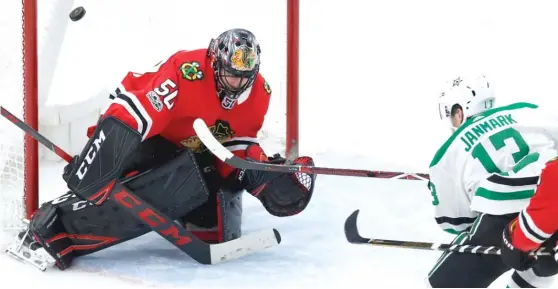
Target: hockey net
{"points": [[12, 144], [79, 61]]}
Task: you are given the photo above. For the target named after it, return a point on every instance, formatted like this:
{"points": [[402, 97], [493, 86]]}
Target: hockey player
{"points": [[535, 224], [483, 176], [145, 140]]}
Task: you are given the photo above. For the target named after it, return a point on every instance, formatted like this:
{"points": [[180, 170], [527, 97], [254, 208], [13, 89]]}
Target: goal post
{"points": [[292, 79], [31, 108]]}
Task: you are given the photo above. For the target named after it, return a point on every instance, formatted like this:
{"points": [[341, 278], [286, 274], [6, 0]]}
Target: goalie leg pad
{"points": [[105, 156], [47, 229], [218, 220], [74, 227], [229, 215]]}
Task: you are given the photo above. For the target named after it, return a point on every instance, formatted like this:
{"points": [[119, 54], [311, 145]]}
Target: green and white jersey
{"points": [[491, 164]]}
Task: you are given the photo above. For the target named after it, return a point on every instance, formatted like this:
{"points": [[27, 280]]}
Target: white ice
{"points": [[313, 252], [369, 79]]}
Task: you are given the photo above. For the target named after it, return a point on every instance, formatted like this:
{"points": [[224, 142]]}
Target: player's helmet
{"points": [[472, 94], [235, 55]]}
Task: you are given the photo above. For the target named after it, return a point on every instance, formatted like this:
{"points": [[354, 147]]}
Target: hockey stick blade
{"points": [[351, 230], [353, 236], [245, 245], [187, 242], [226, 156], [177, 235]]}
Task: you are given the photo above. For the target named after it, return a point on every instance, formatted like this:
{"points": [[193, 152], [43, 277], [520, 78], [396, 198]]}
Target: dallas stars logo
{"points": [[456, 82]]}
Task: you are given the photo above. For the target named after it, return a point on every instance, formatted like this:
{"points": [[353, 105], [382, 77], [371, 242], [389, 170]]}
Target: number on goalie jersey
{"points": [[491, 164], [166, 102]]}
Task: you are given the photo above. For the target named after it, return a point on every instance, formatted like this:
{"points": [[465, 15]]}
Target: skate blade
{"points": [[34, 258]]}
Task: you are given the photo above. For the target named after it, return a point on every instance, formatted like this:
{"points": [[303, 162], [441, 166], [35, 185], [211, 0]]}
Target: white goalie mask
{"points": [[473, 94]]}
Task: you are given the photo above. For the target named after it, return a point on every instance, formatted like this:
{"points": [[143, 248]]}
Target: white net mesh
{"points": [[11, 138], [79, 60]]}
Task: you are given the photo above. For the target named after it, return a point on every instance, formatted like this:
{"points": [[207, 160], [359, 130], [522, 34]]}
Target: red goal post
{"points": [[31, 107]]}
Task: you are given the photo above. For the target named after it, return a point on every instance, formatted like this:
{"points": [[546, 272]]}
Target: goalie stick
{"points": [[353, 236], [177, 235], [226, 156]]}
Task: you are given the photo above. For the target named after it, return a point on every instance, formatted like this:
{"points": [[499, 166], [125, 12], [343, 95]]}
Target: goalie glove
{"points": [[282, 194]]}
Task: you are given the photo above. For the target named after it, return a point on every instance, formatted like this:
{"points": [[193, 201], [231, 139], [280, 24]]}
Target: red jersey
{"points": [[166, 102], [539, 220]]}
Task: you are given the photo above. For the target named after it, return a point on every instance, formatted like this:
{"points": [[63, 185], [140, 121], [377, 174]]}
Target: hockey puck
{"points": [[77, 13]]}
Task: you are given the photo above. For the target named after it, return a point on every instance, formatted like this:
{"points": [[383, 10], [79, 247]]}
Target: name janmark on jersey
{"points": [[473, 134]]}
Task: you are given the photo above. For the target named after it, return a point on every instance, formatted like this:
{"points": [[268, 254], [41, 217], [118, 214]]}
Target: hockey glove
{"points": [[251, 179], [282, 194], [289, 193], [512, 256]]}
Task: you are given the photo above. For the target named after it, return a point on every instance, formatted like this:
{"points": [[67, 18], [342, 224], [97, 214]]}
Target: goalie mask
{"points": [[235, 58]]}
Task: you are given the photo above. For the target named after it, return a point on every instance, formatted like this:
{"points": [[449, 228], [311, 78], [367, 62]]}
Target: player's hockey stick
{"points": [[180, 237], [226, 156], [354, 237], [35, 134]]}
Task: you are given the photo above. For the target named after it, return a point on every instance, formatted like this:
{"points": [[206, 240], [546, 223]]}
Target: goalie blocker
{"points": [[175, 181]]}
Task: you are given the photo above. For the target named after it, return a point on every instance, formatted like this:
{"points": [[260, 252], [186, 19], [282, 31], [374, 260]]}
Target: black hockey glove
{"points": [[251, 179], [512, 256], [282, 194]]}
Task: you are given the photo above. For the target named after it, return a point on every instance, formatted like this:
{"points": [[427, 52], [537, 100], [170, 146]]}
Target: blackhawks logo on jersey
{"points": [[191, 71], [221, 130]]}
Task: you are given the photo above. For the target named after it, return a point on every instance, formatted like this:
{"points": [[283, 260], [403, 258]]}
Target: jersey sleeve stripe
{"points": [[507, 188], [241, 147], [454, 225], [241, 143], [245, 139], [511, 181], [140, 122], [530, 229], [138, 109], [498, 199], [504, 195], [455, 221]]}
